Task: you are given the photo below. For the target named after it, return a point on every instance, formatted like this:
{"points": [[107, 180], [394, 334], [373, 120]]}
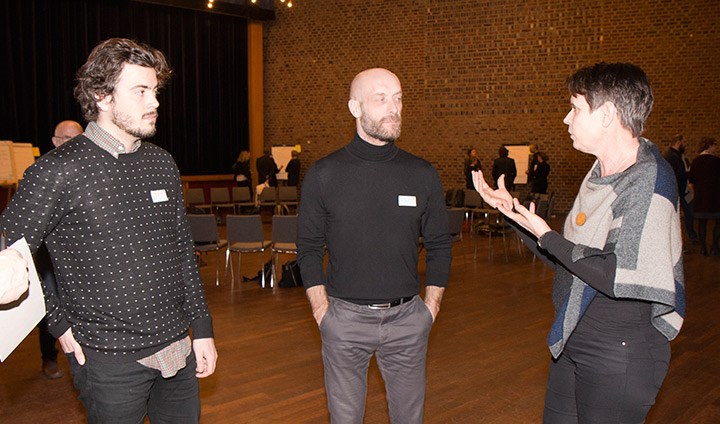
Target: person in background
{"points": [[110, 209], [366, 205], [618, 289], [675, 156], [532, 163], [267, 168], [505, 165], [241, 170], [540, 175], [293, 169], [472, 163], [705, 179], [13, 276], [64, 132]]}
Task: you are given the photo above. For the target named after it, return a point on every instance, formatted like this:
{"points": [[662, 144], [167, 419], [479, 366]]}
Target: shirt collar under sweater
{"points": [[369, 152], [107, 142]]}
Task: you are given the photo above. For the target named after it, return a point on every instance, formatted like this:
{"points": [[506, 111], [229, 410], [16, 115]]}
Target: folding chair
{"points": [[220, 199], [205, 236], [245, 235], [284, 238], [473, 203], [456, 218], [196, 197], [268, 198], [287, 197], [242, 199]]}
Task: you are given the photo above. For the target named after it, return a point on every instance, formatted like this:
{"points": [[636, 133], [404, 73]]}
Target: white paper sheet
{"points": [[19, 318]]}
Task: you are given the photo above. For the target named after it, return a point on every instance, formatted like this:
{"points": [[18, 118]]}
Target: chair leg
{"points": [[274, 258], [227, 262]]}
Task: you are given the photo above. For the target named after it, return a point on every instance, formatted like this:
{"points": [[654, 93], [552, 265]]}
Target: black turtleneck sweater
{"points": [[368, 205]]}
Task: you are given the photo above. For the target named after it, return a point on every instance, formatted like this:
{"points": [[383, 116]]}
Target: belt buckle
{"points": [[377, 306]]}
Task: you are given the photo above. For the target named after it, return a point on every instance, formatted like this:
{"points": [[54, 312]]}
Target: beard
{"points": [[681, 149], [124, 122], [377, 129]]}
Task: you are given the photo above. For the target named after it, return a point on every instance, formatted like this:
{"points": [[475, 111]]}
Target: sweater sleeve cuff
{"points": [[59, 328], [202, 328]]}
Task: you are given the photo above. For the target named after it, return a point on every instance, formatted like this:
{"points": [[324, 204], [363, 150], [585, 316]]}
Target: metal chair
{"points": [[245, 235], [473, 204], [284, 238], [220, 199], [242, 199], [196, 197], [205, 236], [456, 219], [498, 226], [287, 197], [268, 198]]}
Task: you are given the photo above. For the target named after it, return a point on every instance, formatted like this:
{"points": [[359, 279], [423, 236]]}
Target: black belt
{"points": [[390, 304]]}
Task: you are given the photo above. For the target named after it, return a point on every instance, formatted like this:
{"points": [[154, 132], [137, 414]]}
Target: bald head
{"points": [[376, 103], [66, 130]]}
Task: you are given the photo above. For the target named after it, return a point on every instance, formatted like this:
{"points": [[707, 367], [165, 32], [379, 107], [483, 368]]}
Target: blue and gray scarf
{"points": [[634, 215]]}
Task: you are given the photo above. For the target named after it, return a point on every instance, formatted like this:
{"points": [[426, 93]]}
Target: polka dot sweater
{"points": [[120, 244]]}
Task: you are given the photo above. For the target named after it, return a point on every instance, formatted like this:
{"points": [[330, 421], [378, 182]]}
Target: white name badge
{"points": [[158, 196], [407, 201]]}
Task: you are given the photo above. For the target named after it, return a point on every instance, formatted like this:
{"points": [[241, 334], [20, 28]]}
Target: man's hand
{"points": [[494, 198], [68, 344], [13, 276], [433, 297], [317, 295], [206, 356]]}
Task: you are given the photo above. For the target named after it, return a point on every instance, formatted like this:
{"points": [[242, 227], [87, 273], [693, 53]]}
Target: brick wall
{"points": [[485, 73]]}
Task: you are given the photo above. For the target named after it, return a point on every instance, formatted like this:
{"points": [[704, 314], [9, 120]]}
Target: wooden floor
{"points": [[487, 360]]}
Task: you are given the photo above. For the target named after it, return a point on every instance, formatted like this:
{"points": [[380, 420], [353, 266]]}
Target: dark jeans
{"points": [[702, 235], [47, 342], [606, 379], [688, 218], [125, 393]]}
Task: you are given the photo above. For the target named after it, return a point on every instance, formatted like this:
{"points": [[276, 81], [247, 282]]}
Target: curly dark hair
{"points": [[99, 75], [623, 84]]}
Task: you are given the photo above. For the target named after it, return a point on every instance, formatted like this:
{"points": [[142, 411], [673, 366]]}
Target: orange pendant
{"points": [[581, 218]]}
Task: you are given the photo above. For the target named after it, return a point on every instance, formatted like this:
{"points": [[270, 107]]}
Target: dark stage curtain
{"points": [[203, 110]]}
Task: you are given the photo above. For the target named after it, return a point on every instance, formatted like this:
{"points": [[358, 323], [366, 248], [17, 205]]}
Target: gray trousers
{"points": [[398, 337]]}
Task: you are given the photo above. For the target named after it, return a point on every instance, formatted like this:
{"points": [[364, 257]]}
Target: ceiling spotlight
{"points": [[290, 3]]}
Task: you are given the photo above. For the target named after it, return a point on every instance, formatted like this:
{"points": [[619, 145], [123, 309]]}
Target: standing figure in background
{"points": [[65, 131], [532, 163], [675, 156], [505, 165], [540, 175], [618, 290], [705, 178], [366, 205], [472, 163], [241, 170], [293, 169], [267, 168]]}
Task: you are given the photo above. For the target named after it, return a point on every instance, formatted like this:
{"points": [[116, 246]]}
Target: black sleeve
{"points": [[597, 271]]}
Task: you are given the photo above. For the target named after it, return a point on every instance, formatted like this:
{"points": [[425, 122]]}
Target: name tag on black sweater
{"points": [[408, 201]]}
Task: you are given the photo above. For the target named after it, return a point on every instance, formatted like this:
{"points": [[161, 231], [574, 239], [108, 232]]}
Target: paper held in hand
{"points": [[19, 318]]}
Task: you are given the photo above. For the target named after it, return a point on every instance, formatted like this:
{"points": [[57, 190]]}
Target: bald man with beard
{"points": [[367, 204]]}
